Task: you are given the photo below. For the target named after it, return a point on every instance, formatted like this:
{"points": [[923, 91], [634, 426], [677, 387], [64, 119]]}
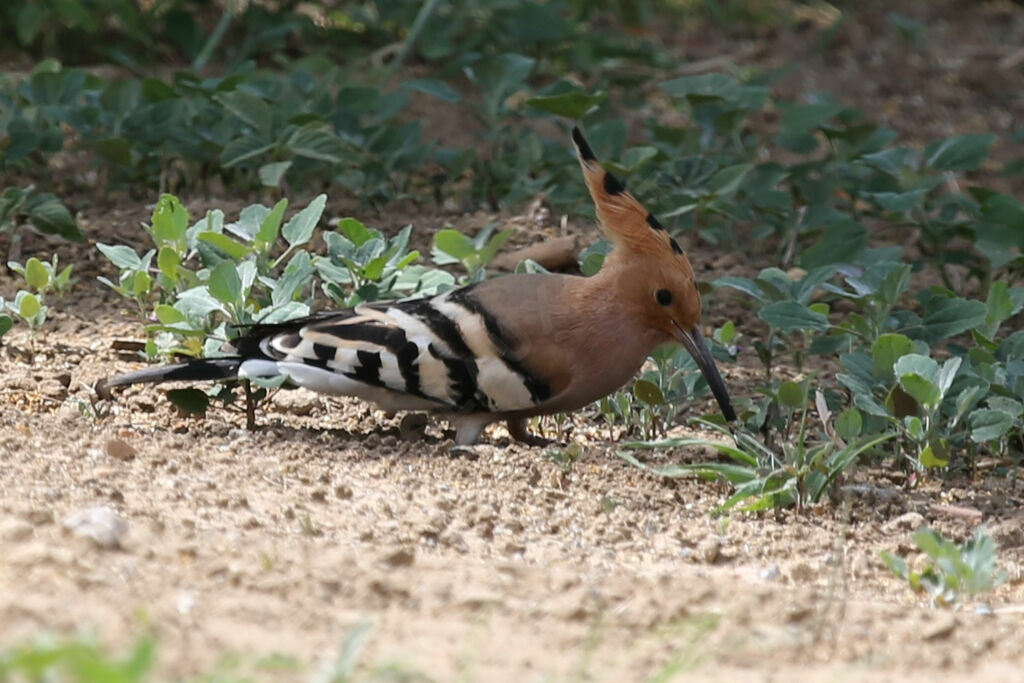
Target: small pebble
{"points": [[101, 524], [120, 450]]}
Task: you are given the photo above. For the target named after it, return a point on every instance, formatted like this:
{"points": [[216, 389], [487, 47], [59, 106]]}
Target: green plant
{"points": [[475, 254], [41, 210], [953, 571], [29, 305], [799, 473], [81, 661], [202, 283]]}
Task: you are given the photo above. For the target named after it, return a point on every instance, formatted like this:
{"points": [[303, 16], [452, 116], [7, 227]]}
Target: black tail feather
{"points": [[191, 371]]}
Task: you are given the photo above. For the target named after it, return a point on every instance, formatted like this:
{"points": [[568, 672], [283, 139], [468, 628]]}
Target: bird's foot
{"points": [[517, 429]]}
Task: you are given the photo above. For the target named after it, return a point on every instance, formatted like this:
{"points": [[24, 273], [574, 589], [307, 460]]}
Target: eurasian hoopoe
{"points": [[509, 348]]}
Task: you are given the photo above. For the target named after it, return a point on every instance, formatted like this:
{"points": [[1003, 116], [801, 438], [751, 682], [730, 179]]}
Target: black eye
{"points": [[663, 297]]}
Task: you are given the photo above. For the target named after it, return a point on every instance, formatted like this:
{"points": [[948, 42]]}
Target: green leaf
{"points": [[989, 425], [702, 88], [6, 323], [242, 149], [124, 257], [841, 242], [36, 274], [727, 180], [958, 153], [300, 228], [945, 317], [252, 109], [232, 247], [192, 401], [355, 231], [572, 105], [168, 315], [800, 119], [272, 173], [435, 88], [271, 225], [168, 261], [791, 394], [917, 376], [648, 392], [225, 284], [197, 302], [454, 244], [849, 424], [789, 316], [935, 454], [28, 305], [317, 142], [888, 349], [49, 216], [170, 222]]}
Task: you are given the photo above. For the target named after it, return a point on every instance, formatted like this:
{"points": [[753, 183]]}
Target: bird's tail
{"points": [[191, 371]]}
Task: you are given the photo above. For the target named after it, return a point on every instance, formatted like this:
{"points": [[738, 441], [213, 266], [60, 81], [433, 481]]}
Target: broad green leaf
{"points": [[225, 284], [49, 216], [271, 225], [841, 242], [648, 392], [6, 322], [250, 108], [958, 153], [243, 149], [233, 248], [198, 302], [944, 318], [743, 284], [124, 257], [435, 88], [27, 305], [170, 222], [572, 105], [800, 119], [989, 425], [888, 349], [703, 87], [141, 283], [168, 315], [789, 316], [849, 424], [897, 201], [317, 142], [300, 228], [272, 173], [454, 244], [727, 180], [935, 454], [916, 376], [36, 274], [355, 231], [791, 394], [168, 261]]}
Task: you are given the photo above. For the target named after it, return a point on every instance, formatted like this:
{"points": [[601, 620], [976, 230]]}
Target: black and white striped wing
{"points": [[443, 354]]}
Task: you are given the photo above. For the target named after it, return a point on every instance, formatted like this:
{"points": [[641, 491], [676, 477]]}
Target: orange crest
{"points": [[624, 219]]}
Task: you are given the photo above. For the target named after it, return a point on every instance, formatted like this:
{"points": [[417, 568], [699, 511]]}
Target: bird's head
{"points": [[654, 270]]}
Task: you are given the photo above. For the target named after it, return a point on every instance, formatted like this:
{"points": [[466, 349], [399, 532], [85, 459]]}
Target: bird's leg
{"points": [[517, 428]]}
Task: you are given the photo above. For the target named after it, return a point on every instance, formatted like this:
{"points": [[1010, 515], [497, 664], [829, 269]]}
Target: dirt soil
{"points": [[494, 563]]}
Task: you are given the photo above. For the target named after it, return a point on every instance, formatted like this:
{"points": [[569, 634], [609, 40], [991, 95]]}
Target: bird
{"points": [[507, 348]]}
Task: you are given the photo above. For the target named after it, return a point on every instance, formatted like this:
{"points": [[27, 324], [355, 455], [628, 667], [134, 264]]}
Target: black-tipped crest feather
{"points": [[582, 145]]}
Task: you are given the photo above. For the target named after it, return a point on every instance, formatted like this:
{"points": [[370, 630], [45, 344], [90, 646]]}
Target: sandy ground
{"points": [[496, 563]]}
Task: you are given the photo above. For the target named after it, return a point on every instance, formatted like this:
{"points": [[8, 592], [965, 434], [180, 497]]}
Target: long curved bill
{"points": [[694, 342]]}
